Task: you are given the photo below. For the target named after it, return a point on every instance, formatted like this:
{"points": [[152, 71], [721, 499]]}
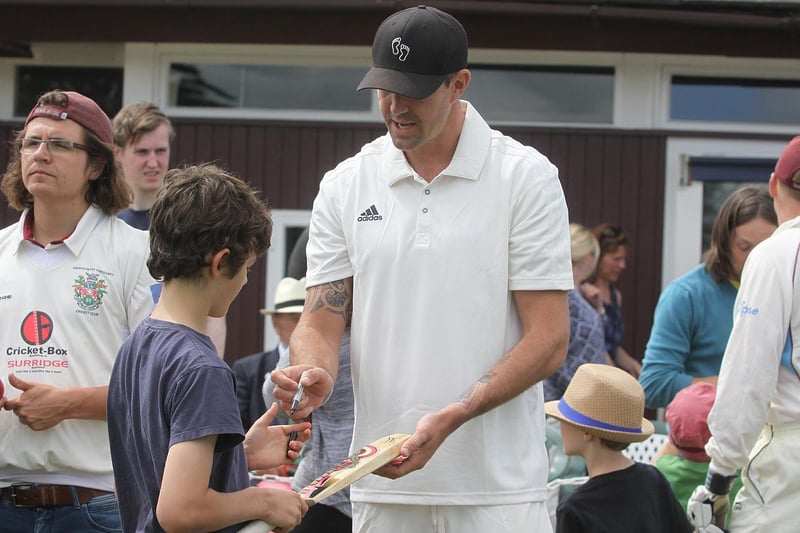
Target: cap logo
{"points": [[50, 112], [399, 49]]}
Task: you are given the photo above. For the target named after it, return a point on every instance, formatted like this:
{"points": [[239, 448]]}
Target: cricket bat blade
{"points": [[368, 459]]}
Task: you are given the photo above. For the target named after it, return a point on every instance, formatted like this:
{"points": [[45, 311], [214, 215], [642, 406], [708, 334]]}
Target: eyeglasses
{"points": [[611, 232], [54, 146]]}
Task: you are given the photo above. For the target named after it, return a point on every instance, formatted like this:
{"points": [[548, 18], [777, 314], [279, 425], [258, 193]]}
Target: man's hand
{"points": [[317, 383], [40, 406], [431, 431]]}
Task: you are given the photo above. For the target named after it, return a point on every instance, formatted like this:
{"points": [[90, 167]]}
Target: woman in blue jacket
{"points": [[694, 315]]}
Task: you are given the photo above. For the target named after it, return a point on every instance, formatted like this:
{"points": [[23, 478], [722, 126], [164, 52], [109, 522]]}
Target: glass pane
{"points": [[735, 100], [305, 87], [204, 85], [543, 94], [101, 84], [268, 87]]}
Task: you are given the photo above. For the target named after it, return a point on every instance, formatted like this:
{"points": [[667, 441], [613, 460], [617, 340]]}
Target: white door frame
{"points": [[282, 220], [683, 202]]}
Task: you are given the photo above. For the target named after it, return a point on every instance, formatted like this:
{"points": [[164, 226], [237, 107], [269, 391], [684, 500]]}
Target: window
{"points": [[101, 84], [735, 100], [723, 175], [282, 87], [571, 94], [503, 93]]}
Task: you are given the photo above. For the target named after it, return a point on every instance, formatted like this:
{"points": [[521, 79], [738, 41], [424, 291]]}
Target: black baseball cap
{"points": [[414, 51]]}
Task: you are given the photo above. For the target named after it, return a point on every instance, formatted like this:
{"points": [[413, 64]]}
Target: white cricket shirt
{"points": [[65, 310], [434, 265]]}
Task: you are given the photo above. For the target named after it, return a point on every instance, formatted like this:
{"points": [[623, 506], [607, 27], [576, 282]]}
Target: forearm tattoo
{"points": [[335, 297], [465, 400]]}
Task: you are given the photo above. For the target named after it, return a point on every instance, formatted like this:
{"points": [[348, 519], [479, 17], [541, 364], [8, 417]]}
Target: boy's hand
{"points": [[268, 446], [316, 381], [284, 509]]}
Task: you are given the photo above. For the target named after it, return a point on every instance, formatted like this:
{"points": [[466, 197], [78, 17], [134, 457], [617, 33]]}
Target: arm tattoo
{"points": [[335, 297], [465, 400]]}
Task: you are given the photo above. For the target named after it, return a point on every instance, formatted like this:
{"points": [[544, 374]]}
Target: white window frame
{"points": [[723, 67], [683, 200], [282, 220], [55, 54], [282, 55], [148, 66]]}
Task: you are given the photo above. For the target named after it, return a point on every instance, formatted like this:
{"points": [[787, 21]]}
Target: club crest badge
{"points": [[89, 291]]}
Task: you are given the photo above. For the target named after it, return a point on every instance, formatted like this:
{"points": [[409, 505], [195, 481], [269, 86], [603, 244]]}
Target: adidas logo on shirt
{"points": [[369, 214]]}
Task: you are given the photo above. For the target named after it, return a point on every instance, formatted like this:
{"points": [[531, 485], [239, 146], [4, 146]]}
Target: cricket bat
{"points": [[368, 459]]}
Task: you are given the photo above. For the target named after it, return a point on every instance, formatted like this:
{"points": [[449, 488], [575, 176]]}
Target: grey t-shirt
{"points": [[331, 433]]}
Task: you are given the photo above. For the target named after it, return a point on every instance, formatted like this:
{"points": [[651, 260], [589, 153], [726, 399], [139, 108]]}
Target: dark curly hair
{"points": [[199, 211]]}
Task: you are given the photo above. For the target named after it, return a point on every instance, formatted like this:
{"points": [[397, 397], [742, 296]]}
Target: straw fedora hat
{"points": [[290, 297], [605, 401]]}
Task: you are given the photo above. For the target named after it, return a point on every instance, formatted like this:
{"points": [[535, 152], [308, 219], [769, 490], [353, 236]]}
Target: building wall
{"points": [[608, 176], [628, 172]]}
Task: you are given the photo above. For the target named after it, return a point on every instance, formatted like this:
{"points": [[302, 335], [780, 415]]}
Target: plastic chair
{"points": [[645, 451]]}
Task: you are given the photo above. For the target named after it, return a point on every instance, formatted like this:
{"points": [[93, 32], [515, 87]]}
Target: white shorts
{"points": [[398, 518], [771, 484]]}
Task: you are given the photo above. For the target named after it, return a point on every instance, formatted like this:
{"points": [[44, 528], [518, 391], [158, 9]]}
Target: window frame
{"points": [[350, 56], [735, 68]]}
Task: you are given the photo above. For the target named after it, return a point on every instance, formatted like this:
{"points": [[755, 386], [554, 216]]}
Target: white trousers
{"points": [[395, 518], [770, 495]]}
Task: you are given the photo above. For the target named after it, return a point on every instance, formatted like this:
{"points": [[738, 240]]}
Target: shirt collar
{"points": [[470, 155], [74, 241]]}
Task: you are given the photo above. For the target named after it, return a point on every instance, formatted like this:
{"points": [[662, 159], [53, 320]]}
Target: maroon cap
{"points": [[80, 109], [687, 417], [789, 163], [414, 51]]}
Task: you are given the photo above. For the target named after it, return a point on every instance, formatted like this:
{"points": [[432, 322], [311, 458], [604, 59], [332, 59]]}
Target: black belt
{"points": [[34, 495]]}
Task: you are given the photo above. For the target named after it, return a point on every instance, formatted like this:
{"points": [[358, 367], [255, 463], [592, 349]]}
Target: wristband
{"points": [[718, 484]]}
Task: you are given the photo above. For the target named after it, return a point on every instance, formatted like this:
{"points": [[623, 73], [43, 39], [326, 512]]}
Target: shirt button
{"points": [[424, 209], [427, 191]]}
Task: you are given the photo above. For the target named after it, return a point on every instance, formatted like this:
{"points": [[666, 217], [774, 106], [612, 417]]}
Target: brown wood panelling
{"points": [[616, 177], [607, 175], [285, 161]]}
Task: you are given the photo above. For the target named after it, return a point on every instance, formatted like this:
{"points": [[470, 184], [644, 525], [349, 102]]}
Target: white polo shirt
{"points": [[65, 310], [758, 381], [434, 265]]}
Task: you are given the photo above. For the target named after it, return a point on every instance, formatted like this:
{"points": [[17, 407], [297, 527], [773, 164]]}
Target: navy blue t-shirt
{"points": [[168, 386], [137, 219]]}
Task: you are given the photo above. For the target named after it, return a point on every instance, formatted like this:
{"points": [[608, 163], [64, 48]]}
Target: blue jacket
{"points": [[691, 325]]}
